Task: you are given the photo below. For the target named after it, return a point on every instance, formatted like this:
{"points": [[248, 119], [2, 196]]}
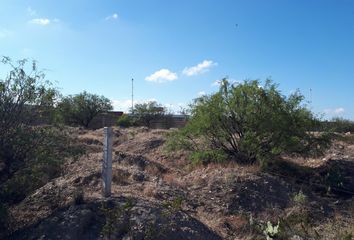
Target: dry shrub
{"points": [[173, 180], [238, 223], [120, 176], [150, 191], [153, 170]]}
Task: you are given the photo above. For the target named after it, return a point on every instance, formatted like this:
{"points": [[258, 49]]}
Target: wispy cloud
{"points": [[40, 21], [163, 75], [126, 104], [233, 82], [114, 16], [31, 12], [43, 21], [334, 111], [4, 33], [201, 93], [199, 68], [216, 83]]}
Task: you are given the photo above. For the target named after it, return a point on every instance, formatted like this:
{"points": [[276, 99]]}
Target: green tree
{"points": [[80, 109], [249, 123], [341, 125], [30, 155], [23, 97], [146, 113], [125, 121]]}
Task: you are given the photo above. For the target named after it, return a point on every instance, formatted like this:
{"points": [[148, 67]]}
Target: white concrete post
{"points": [[107, 162]]}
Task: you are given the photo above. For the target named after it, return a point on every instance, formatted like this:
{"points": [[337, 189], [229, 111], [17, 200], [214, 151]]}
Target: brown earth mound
{"points": [[159, 195]]}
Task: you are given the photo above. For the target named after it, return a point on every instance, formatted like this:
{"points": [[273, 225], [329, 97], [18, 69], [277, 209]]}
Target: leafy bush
{"points": [[125, 121], [42, 163], [270, 231], [80, 109], [340, 125], [116, 216], [249, 123], [30, 155], [300, 198], [146, 114], [22, 98]]}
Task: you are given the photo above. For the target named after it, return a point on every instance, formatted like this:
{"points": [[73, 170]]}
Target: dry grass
{"points": [[120, 176], [153, 170], [173, 180], [150, 191], [239, 223]]}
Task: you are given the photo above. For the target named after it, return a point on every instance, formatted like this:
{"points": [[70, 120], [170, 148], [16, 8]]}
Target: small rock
{"points": [[296, 237]]}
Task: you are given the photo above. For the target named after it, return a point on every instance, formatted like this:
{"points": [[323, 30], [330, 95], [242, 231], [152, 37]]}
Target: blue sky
{"points": [[177, 49]]}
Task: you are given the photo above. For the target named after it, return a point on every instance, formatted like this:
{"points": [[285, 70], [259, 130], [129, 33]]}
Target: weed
{"points": [[79, 197], [271, 231], [120, 176], [117, 219], [299, 198], [230, 179]]}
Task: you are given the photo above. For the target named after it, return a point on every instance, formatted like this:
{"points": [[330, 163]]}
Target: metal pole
{"points": [[107, 162], [133, 96]]}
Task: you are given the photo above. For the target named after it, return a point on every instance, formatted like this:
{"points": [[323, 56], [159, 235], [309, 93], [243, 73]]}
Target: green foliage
{"points": [[271, 231], [346, 138], [145, 114], [249, 123], [80, 109], [115, 219], [23, 97], [30, 155], [43, 162], [125, 121], [300, 198], [208, 156], [339, 125]]}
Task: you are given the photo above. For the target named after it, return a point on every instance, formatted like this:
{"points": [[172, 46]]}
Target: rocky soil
{"points": [[159, 195]]}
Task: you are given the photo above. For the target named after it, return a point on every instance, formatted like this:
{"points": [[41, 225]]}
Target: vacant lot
{"points": [[160, 195]]}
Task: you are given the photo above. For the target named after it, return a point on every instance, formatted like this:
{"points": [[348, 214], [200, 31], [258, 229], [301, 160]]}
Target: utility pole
{"points": [[133, 96]]}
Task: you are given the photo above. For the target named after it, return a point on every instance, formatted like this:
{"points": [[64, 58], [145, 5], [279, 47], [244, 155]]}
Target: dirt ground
{"points": [[171, 199]]}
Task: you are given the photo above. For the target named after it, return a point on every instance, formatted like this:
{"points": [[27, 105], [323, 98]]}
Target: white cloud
{"points": [[31, 12], [334, 112], [114, 16], [126, 104], [4, 33], [233, 82], [339, 110], [199, 68], [163, 75], [201, 93], [40, 21], [216, 83], [175, 108]]}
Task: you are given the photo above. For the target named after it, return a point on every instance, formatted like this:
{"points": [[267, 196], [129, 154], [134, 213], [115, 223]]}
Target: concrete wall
{"points": [[107, 119]]}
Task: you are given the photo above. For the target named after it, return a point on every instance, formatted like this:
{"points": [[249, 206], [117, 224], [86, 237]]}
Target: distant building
{"points": [[106, 119]]}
